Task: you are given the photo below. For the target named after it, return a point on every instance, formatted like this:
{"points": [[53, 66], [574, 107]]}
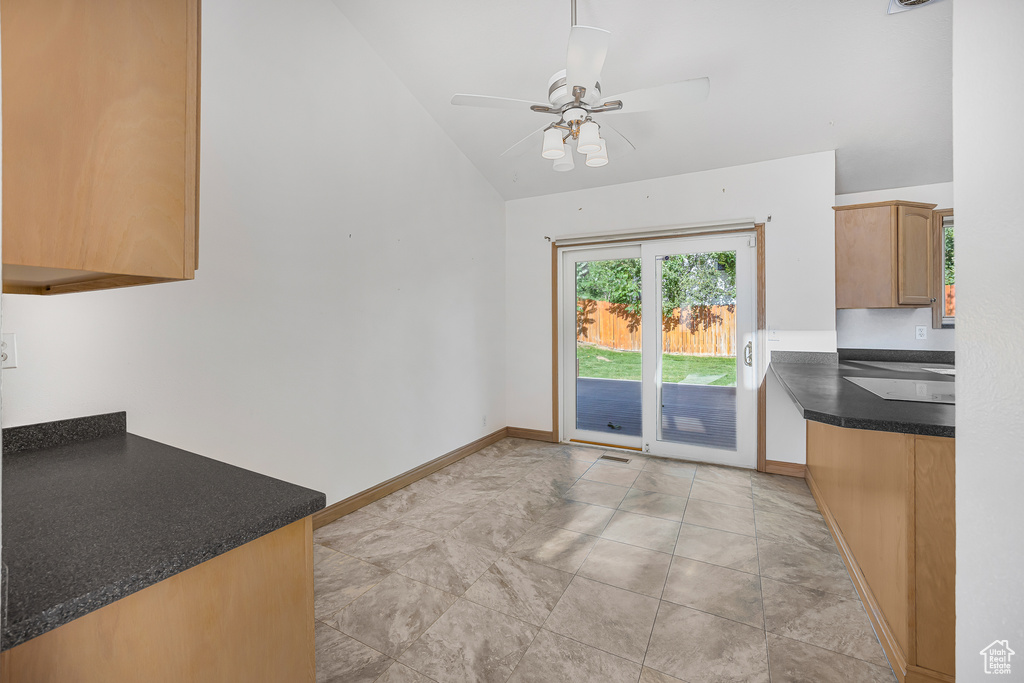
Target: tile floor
{"points": [[540, 562]]}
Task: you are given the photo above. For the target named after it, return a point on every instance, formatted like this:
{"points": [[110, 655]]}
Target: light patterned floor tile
{"points": [[791, 660], [615, 620], [625, 566], [491, 529], [716, 590], [554, 658], [823, 619], [470, 643], [702, 648], [652, 533], [654, 504], [522, 589], [596, 493], [553, 547], [342, 659], [717, 516], [392, 614], [726, 549], [450, 565], [339, 580]]}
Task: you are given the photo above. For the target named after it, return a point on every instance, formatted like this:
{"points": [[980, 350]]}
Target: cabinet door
{"points": [[914, 256], [864, 258], [100, 138]]}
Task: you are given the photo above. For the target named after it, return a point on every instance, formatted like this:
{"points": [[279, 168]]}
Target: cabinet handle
{"points": [[748, 354]]}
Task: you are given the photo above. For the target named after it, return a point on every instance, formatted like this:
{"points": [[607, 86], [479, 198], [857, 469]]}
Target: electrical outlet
{"points": [[485, 420], [9, 350], [922, 332]]}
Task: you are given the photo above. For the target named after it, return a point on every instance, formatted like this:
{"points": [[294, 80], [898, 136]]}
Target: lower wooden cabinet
{"points": [[889, 501], [246, 615]]}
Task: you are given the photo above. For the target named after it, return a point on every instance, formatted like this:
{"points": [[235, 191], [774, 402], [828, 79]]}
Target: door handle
{"points": [[748, 354]]}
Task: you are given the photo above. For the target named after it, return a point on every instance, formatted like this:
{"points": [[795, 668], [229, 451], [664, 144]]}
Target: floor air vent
{"points": [[615, 458]]}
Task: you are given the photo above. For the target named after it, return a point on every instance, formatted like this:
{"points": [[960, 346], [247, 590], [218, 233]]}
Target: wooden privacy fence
{"points": [[950, 300], [613, 326]]}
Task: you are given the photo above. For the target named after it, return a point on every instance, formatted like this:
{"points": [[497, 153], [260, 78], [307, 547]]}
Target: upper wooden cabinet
{"points": [[100, 143], [884, 255]]}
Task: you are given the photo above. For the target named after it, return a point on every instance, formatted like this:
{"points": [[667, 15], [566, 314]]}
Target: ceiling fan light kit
{"points": [[598, 158], [554, 146], [589, 140], [565, 163], [574, 96]]}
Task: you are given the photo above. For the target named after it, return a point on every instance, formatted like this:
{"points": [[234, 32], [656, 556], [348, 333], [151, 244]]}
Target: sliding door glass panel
{"points": [[697, 294], [608, 356], [700, 397], [600, 354]]}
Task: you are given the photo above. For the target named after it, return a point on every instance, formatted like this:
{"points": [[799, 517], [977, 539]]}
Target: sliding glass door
{"points": [[601, 345], [657, 347]]}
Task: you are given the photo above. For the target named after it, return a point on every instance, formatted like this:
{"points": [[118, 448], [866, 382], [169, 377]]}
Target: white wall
{"points": [[894, 328], [940, 194], [886, 328], [988, 171], [346, 321], [800, 250]]}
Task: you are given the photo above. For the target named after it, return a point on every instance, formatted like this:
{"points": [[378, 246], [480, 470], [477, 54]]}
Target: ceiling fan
{"points": [[574, 96]]}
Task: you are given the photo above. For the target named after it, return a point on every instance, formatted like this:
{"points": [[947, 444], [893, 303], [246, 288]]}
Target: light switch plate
{"points": [[922, 332], [9, 350]]}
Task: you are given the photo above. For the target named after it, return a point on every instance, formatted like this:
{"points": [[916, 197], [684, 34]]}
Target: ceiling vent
{"points": [[904, 5]]}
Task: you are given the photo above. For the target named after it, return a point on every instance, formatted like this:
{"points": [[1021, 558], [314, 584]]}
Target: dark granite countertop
{"points": [[89, 522], [823, 395]]}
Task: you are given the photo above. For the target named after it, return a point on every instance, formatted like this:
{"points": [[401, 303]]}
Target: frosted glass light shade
{"points": [[554, 148], [589, 141], [565, 163], [598, 158]]}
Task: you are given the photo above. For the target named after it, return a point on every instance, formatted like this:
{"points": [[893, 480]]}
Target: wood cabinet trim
{"points": [[938, 267], [935, 552], [190, 253], [895, 202]]}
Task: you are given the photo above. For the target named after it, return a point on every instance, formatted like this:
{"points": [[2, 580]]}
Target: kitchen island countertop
{"points": [[87, 522], [822, 394]]}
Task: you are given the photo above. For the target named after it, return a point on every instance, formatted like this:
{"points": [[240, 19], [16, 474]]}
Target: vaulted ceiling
{"points": [[788, 77]]}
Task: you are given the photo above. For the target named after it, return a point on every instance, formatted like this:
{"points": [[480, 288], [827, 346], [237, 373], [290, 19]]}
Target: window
{"points": [[944, 306]]}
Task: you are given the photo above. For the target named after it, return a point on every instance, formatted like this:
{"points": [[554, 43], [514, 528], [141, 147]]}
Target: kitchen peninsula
{"points": [[882, 473], [132, 560]]}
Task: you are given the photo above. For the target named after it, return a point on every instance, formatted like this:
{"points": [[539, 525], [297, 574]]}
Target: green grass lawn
{"points": [[607, 364]]}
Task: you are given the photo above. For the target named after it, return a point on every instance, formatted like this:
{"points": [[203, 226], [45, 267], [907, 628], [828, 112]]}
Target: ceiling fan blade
{"points": [[617, 142], [588, 48], [520, 147], [668, 96], [493, 102]]}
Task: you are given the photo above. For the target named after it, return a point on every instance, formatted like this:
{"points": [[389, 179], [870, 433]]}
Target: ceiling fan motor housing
{"points": [[560, 94], [574, 115]]}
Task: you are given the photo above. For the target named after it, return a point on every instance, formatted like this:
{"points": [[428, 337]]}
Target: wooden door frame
{"points": [[758, 231]]}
